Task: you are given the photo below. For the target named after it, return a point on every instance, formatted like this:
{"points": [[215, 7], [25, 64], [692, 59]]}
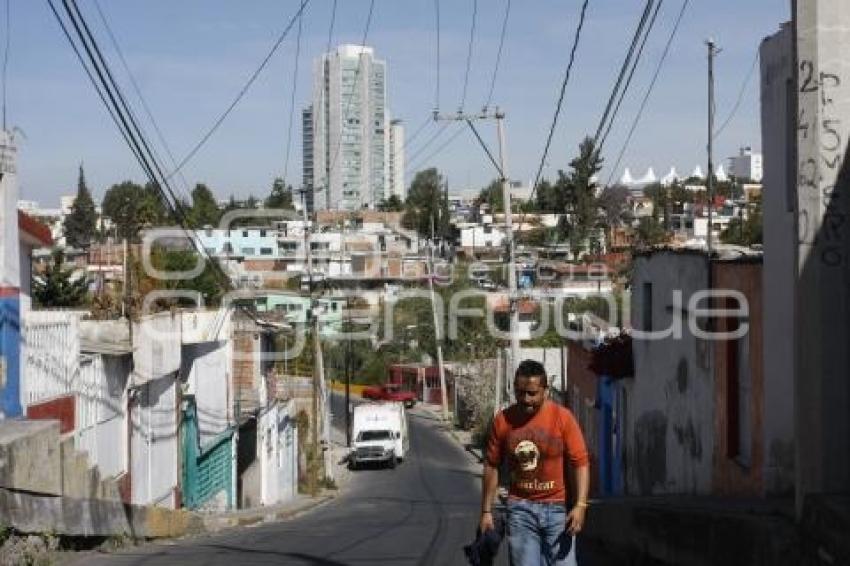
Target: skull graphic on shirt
{"points": [[527, 455]]}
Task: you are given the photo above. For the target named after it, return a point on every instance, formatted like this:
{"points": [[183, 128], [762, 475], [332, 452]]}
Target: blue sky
{"points": [[191, 57]]}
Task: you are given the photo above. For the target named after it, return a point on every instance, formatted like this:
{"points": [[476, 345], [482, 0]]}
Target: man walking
{"points": [[540, 441]]}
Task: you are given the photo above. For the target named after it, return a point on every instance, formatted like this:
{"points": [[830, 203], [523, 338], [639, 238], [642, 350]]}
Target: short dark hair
{"points": [[532, 368]]}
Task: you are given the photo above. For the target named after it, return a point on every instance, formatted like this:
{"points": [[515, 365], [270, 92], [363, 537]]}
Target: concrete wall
{"points": [[268, 456], [822, 390], [670, 402], [206, 372], [780, 234]]}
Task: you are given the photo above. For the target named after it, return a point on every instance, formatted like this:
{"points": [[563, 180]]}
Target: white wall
{"points": [[780, 239], [101, 412], [268, 445], [206, 372], [670, 401]]}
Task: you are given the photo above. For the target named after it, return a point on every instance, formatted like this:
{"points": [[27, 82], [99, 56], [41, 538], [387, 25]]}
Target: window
{"points": [[266, 251], [646, 311], [244, 233], [262, 233], [248, 251]]}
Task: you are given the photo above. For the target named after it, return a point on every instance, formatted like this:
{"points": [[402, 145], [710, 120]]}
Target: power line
{"points": [[498, 55], [623, 69], [123, 117], [486, 149], [646, 96], [428, 120], [331, 27], [469, 54], [241, 93], [137, 89], [6, 58], [437, 81], [628, 84], [740, 99], [560, 102], [292, 98], [439, 149], [427, 144]]}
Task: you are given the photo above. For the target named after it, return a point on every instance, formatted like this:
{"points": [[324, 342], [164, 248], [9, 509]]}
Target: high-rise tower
{"points": [[350, 129]]}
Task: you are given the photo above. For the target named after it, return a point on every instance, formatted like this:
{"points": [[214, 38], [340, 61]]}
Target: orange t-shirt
{"points": [[537, 449]]}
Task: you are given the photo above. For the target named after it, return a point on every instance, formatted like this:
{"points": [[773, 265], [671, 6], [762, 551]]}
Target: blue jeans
{"points": [[536, 534]]}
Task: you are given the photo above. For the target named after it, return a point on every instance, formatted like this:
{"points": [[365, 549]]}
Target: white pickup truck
{"points": [[379, 433]]}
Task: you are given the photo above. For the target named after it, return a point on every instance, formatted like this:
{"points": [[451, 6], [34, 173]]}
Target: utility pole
{"points": [[510, 367], [712, 52], [437, 326]]}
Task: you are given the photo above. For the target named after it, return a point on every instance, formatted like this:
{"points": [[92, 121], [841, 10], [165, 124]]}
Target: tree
{"points": [[280, 195], [58, 287], [425, 201], [493, 196], [204, 211], [172, 260], [585, 168], [80, 225], [650, 232], [391, 204], [745, 232], [132, 207], [614, 201]]}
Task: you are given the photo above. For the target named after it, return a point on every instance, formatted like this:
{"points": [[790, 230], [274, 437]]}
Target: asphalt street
{"points": [[421, 512]]}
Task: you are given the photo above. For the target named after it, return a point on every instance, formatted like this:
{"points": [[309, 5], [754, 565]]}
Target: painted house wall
{"points": [[780, 257], [206, 373], [101, 404], [154, 442], [671, 399], [739, 390]]}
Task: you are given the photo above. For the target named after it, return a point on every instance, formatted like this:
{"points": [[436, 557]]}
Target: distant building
{"points": [[307, 141], [397, 160], [747, 165], [350, 129]]}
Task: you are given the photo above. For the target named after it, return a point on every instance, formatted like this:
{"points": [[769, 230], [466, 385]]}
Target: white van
{"points": [[379, 434]]}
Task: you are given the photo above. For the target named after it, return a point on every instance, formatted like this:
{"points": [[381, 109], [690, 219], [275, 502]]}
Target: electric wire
{"points": [[94, 82], [437, 81], [197, 147], [486, 149], [438, 150], [649, 90], [560, 102], [428, 120], [331, 27], [138, 90], [431, 140], [6, 58], [625, 89], [623, 69], [469, 55], [740, 99], [292, 98], [128, 130], [498, 55]]}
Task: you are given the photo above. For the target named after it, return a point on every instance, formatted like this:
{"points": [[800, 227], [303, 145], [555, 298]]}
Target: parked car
{"points": [[390, 392]]}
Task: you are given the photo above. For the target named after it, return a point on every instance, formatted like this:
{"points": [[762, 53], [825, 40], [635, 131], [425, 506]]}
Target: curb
{"points": [[215, 524]]}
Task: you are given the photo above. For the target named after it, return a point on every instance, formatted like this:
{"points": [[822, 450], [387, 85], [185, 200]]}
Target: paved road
{"points": [[422, 512]]}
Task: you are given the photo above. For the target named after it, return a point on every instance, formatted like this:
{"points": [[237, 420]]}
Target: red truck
{"points": [[390, 392]]}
